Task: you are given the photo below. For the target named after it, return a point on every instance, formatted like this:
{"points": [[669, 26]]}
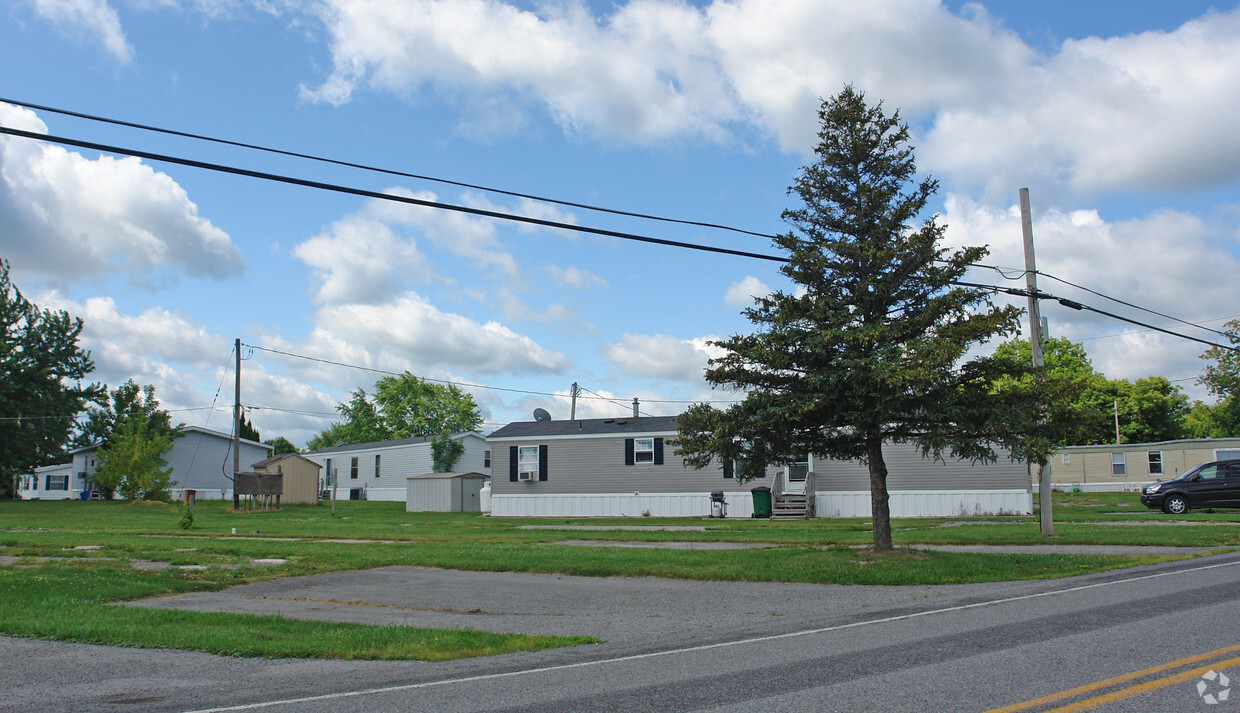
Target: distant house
{"points": [[50, 482], [627, 467], [201, 460], [378, 470], [301, 477], [1132, 465]]}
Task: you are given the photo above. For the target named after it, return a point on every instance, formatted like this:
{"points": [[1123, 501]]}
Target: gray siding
{"points": [[595, 465], [200, 460], [908, 470]]}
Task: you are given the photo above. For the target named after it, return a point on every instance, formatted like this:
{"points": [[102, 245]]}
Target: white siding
{"points": [[397, 462]]}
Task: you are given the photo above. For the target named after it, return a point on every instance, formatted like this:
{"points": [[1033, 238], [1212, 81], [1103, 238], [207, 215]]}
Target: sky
{"points": [[1119, 117]]}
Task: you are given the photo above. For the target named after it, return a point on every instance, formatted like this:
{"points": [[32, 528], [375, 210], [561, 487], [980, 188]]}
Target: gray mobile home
{"points": [[201, 460], [627, 467], [614, 467]]}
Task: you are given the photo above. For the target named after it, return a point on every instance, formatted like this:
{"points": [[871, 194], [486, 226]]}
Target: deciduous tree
{"points": [[403, 406]]}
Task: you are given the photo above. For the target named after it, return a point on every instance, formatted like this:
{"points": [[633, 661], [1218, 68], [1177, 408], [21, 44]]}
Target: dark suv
{"points": [[1209, 485]]}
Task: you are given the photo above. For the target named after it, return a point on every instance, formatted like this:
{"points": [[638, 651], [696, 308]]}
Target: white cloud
{"points": [[69, 218], [94, 19], [742, 294], [145, 347], [647, 72], [416, 330], [1150, 110], [1173, 262], [576, 277], [661, 356], [359, 258], [1144, 111]]}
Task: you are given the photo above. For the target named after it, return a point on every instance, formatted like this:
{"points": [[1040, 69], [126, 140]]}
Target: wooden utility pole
{"points": [[1045, 517], [572, 415], [237, 425]]}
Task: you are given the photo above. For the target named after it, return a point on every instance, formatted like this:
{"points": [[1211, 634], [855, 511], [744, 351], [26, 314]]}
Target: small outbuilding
{"points": [[444, 492], [301, 477]]}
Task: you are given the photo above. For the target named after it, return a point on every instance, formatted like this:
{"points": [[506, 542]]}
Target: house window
{"points": [[57, 482], [1067, 459], [328, 474], [527, 463], [486, 459], [376, 465], [353, 469], [643, 450], [1117, 465], [1227, 454], [1154, 458]]}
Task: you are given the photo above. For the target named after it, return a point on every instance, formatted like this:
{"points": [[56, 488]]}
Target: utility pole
{"points": [[572, 415], [1117, 422], [1045, 517], [237, 425]]}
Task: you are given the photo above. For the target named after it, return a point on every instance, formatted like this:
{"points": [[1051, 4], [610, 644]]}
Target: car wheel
{"points": [[1176, 505]]}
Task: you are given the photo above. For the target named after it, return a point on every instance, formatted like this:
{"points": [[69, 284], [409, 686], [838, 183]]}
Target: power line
{"points": [[529, 220], [1129, 304], [387, 171], [459, 384], [337, 188], [1073, 304]]}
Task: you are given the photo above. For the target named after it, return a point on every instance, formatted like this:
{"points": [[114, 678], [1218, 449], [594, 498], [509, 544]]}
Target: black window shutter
{"points": [[727, 469], [658, 451], [512, 463], [628, 451], [542, 462]]}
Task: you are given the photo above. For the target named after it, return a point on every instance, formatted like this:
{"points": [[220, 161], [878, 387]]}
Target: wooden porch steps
{"points": [[791, 507]]}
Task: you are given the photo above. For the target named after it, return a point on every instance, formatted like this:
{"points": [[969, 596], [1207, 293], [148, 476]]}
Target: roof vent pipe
{"points": [[636, 412]]}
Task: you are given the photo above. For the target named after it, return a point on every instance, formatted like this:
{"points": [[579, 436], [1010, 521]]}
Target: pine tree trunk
{"points": [[880, 507]]}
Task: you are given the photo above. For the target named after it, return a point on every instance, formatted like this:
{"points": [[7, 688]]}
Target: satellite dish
{"points": [[541, 414]]}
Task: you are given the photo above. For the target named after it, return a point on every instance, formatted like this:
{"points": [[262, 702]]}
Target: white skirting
{"points": [[927, 503], [908, 503], [617, 505]]}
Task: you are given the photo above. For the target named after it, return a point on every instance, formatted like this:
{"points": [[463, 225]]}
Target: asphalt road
{"points": [[681, 646]]}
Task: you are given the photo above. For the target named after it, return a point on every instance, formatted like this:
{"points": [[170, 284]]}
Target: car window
{"points": [[1210, 472], [1233, 471]]}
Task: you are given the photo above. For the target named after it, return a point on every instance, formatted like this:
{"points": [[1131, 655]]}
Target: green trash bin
{"points": [[761, 501]]}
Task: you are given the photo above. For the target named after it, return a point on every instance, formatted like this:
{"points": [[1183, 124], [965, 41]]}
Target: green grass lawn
{"points": [[73, 559]]}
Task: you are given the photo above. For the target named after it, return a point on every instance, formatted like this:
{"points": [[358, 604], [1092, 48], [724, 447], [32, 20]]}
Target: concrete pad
{"points": [[668, 545]]}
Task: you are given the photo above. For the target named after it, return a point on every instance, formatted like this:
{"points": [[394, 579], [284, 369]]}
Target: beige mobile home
{"points": [[1132, 465]]}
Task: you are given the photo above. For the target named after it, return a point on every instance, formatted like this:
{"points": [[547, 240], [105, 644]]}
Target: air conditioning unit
{"points": [[526, 475]]}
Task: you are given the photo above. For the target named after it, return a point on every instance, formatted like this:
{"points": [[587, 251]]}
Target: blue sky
{"points": [[1119, 117]]}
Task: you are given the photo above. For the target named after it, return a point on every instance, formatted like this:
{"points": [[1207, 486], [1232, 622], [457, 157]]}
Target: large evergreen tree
{"points": [[41, 368], [868, 349]]}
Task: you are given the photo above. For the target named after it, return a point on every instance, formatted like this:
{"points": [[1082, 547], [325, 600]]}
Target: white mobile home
{"points": [[378, 470]]}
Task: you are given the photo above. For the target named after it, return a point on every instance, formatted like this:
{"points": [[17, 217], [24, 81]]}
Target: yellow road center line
{"points": [[1097, 685], [1144, 687]]}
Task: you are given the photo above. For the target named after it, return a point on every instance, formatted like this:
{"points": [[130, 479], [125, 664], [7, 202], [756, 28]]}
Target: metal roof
{"points": [[587, 427]]}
